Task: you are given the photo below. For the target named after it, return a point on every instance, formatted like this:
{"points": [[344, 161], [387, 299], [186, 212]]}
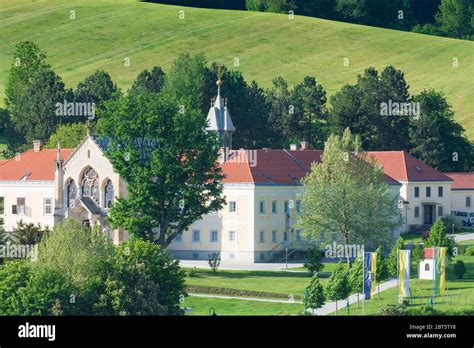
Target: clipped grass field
{"points": [[201, 306], [105, 33], [285, 283]]}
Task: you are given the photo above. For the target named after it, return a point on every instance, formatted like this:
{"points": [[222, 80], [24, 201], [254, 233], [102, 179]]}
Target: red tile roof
{"points": [[462, 181], [287, 167], [39, 165]]}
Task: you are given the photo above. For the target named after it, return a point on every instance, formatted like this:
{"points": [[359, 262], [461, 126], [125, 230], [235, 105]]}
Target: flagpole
{"points": [[398, 275], [363, 278], [433, 281]]}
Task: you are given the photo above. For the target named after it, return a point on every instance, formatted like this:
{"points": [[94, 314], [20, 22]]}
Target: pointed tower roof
{"points": [[218, 117]]}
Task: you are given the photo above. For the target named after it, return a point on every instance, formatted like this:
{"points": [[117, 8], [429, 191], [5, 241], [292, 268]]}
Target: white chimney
{"points": [[304, 145], [37, 145], [293, 147]]}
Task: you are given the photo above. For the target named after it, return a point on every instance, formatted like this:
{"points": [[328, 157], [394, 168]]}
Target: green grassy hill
{"points": [[107, 32]]}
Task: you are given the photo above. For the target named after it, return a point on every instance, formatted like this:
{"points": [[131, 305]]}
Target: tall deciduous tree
{"points": [[392, 260], [67, 135], [338, 287], [32, 90], [96, 88], [436, 138], [345, 198], [309, 119], [168, 160], [360, 107], [149, 81], [455, 17]]}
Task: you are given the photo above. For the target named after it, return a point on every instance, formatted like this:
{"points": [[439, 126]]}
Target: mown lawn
{"points": [[201, 306], [105, 33], [285, 283], [460, 293]]}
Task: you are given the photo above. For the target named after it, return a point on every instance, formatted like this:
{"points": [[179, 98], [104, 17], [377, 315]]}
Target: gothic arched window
{"points": [[71, 194], [109, 194], [90, 185]]}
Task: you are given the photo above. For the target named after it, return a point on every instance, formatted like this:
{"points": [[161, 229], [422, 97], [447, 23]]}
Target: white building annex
{"points": [[262, 193]]}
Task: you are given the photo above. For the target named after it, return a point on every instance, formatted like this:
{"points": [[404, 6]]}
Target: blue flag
{"points": [[370, 260]]}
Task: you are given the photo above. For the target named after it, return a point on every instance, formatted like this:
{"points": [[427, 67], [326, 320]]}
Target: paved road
{"points": [[463, 237], [246, 298], [241, 266]]}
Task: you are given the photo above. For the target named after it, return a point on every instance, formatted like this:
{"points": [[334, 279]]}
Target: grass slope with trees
{"points": [[104, 34]]}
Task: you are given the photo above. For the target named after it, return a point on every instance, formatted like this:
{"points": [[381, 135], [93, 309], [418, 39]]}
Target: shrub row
{"points": [[199, 289]]}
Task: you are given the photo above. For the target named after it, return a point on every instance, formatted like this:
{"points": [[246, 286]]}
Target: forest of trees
{"points": [[451, 18], [275, 117]]}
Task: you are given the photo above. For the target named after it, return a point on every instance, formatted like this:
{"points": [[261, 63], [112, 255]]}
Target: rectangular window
{"points": [[298, 235], [274, 236], [47, 206], [285, 207], [232, 236], [262, 257], [232, 206], [468, 201], [417, 191], [262, 207], [196, 235], [274, 207], [440, 191], [440, 211], [179, 237], [214, 236], [285, 236], [262, 236], [428, 191], [417, 212], [2, 205], [20, 206], [298, 206]]}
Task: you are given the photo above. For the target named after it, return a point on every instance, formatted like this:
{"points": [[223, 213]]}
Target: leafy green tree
{"points": [[392, 260], [314, 259], [28, 233], [338, 287], [459, 269], [67, 135], [145, 281], [149, 81], [381, 273], [316, 297], [436, 138], [308, 121], [418, 255], [352, 10], [187, 82], [439, 237], [455, 17], [14, 275], [356, 274], [360, 107], [32, 90], [169, 162], [214, 261], [345, 198], [281, 110], [96, 88], [47, 293]]}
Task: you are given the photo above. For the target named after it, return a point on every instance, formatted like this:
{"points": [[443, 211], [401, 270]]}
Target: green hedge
{"points": [[218, 4], [198, 289]]}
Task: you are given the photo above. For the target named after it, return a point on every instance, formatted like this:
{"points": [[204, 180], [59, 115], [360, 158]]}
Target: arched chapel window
{"points": [[109, 194], [71, 194], [90, 185], [427, 266]]}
